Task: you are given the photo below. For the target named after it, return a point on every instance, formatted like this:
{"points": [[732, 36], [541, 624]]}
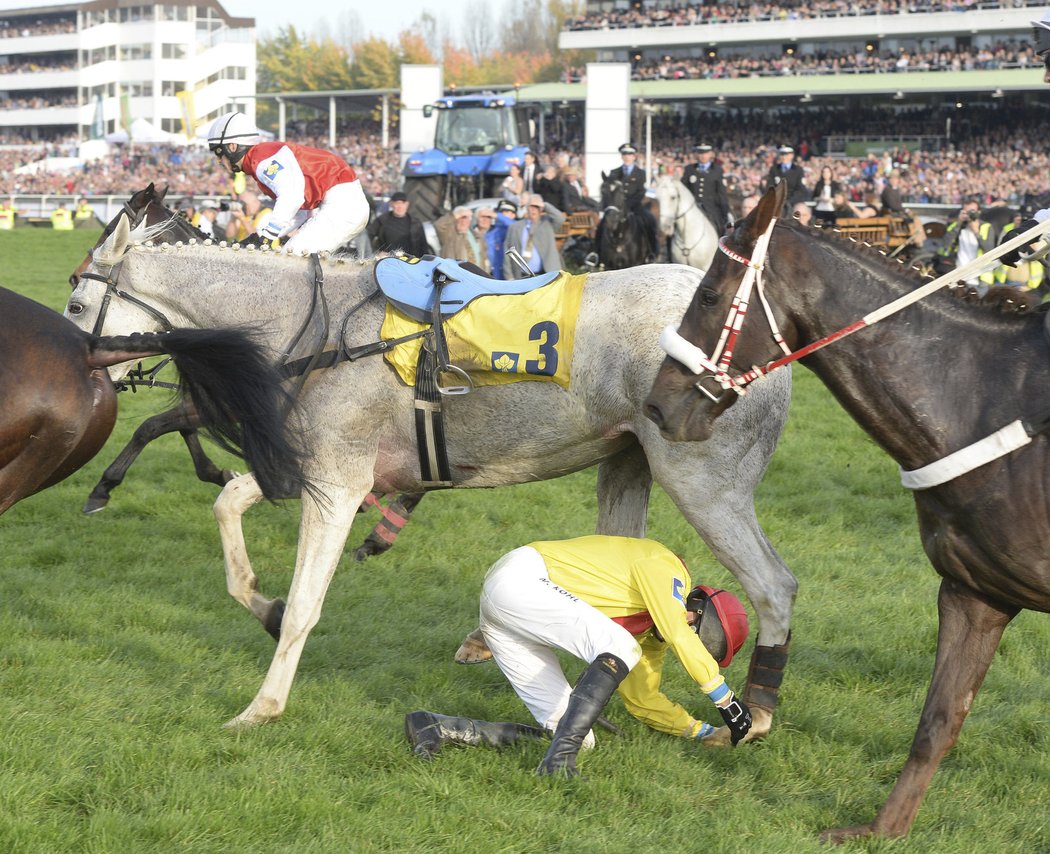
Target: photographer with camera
{"points": [[248, 215], [966, 238]]}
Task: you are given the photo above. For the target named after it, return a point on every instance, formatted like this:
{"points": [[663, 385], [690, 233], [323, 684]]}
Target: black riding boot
{"points": [[428, 731], [591, 694]]}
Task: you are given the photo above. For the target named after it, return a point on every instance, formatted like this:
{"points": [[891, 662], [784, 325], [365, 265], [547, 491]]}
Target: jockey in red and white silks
{"points": [[314, 191]]}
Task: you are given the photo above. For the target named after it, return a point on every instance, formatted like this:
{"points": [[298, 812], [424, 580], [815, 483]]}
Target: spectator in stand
{"points": [[248, 216], [824, 192], [458, 239], [513, 185], [397, 230], [534, 238], [550, 187], [574, 194], [496, 236], [209, 210], [531, 173]]}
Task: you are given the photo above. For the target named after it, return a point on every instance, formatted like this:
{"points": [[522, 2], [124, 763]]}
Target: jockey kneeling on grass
{"points": [[314, 191], [619, 604]]}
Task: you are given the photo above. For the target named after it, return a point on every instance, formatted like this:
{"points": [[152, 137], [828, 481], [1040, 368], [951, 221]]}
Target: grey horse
{"points": [[359, 428]]}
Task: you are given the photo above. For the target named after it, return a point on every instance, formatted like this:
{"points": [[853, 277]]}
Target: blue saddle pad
{"points": [[409, 284]]}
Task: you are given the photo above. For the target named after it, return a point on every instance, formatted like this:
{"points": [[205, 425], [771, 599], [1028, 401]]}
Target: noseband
{"points": [[717, 365]]}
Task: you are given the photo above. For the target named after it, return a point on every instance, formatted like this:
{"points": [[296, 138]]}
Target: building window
{"points": [[173, 13], [129, 52], [171, 87], [173, 51]]}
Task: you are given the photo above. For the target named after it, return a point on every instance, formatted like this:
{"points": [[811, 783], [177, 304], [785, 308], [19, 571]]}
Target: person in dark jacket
{"points": [[704, 179], [788, 171], [397, 230], [633, 178]]}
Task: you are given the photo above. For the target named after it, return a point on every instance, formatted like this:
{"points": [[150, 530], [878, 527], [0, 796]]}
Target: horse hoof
{"points": [[837, 835], [761, 722], [248, 719], [473, 650], [368, 549], [274, 618], [229, 474], [93, 505]]}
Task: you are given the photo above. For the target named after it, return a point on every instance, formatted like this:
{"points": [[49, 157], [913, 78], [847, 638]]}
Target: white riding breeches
{"points": [[342, 215], [524, 616]]}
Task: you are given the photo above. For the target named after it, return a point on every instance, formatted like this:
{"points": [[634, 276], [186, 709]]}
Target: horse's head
{"points": [[688, 394], [145, 208], [102, 302], [614, 195], [668, 194]]}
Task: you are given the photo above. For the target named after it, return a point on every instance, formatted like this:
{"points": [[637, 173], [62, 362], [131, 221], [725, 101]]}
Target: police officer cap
{"points": [[785, 149], [627, 148], [507, 206], [399, 196], [702, 147]]}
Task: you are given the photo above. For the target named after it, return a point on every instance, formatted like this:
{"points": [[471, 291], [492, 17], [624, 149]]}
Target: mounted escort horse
{"points": [[620, 239], [146, 208], [966, 424], [693, 237], [591, 353]]}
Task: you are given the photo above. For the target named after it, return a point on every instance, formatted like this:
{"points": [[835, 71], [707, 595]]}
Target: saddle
{"points": [[419, 286]]}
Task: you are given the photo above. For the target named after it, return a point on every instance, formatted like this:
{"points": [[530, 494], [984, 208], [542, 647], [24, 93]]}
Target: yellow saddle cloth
{"points": [[501, 339]]}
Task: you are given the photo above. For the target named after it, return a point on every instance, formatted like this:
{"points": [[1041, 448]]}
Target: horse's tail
{"points": [[237, 392]]}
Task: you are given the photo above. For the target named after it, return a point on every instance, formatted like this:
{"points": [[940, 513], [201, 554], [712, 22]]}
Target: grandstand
{"points": [[72, 70], [880, 39]]}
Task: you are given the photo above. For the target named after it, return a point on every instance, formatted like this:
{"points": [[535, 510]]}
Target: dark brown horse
{"points": [[146, 208], [59, 404], [920, 398]]}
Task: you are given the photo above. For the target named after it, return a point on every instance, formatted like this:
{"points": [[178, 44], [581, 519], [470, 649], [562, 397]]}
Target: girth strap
{"points": [[430, 428]]}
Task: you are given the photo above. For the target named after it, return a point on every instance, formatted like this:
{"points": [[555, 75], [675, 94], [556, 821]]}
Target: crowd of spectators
{"points": [[988, 156], [1010, 54], [40, 63], [14, 29], [693, 14]]}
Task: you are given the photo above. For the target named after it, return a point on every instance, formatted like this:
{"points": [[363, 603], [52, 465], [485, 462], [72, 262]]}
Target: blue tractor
{"points": [[476, 140]]}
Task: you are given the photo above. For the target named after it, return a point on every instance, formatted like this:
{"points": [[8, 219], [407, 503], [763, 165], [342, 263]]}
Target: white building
{"points": [[59, 60]]}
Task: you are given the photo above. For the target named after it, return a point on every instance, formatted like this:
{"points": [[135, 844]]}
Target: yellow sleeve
{"points": [[643, 698], [664, 584]]}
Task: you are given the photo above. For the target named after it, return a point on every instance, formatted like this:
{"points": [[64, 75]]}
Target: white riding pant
{"points": [[342, 215], [525, 616]]}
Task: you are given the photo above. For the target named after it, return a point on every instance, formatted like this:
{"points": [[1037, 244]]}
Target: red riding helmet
{"points": [[721, 621]]}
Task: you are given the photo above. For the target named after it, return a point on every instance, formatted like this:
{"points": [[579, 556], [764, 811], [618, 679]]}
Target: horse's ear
{"points": [[117, 243], [770, 205], [605, 177], [149, 190], [162, 193]]}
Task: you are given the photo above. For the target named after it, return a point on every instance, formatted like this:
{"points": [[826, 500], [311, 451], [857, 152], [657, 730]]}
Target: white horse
{"points": [[358, 421], [694, 239]]}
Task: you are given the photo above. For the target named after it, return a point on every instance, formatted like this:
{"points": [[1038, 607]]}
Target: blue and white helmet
{"points": [[1041, 35]]}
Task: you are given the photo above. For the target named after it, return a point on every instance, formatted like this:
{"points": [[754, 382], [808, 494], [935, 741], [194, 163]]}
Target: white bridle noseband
{"points": [[717, 365]]}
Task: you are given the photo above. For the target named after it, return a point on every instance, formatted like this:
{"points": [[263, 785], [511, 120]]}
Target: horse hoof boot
{"points": [[423, 733]]}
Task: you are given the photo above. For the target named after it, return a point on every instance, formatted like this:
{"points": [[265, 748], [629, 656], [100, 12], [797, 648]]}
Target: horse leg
{"points": [[153, 427], [236, 498], [392, 520], [967, 637], [714, 488], [207, 471], [322, 536], [624, 483]]}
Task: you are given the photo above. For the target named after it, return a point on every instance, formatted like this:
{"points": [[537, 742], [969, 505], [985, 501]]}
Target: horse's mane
{"points": [[1003, 300], [142, 240]]}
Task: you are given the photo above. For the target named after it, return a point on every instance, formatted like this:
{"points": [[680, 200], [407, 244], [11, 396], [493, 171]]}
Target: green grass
{"points": [[123, 656]]}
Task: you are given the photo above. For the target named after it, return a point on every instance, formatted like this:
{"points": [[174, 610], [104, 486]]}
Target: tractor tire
{"points": [[426, 197]]}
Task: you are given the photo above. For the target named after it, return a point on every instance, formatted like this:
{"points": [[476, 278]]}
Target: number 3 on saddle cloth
{"points": [[492, 332]]}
